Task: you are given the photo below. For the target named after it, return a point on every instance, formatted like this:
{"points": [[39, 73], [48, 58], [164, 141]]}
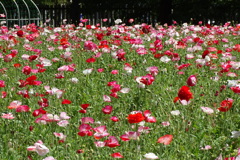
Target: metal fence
{"points": [[20, 12]]}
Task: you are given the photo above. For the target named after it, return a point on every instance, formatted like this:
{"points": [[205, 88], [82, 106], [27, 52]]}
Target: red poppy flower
{"points": [[237, 47], [183, 66], [225, 105], [91, 60], [20, 33], [184, 93], [135, 118], [236, 89], [4, 94], [88, 26], [82, 111], [158, 55], [39, 111], [64, 41], [85, 106], [66, 101], [17, 65], [117, 155], [32, 57], [166, 140], [147, 80]]}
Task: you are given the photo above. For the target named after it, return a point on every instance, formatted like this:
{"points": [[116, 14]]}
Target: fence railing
{"points": [[54, 15]]}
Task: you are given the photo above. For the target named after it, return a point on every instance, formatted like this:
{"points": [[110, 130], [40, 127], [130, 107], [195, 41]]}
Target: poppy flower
{"points": [[66, 101], [4, 94], [111, 142], [192, 80], [107, 109], [2, 83], [135, 117], [147, 80], [236, 89], [114, 119], [85, 120], [64, 41], [39, 111], [116, 155], [85, 106], [22, 108], [184, 93], [91, 60], [79, 151], [85, 130], [149, 156], [17, 65], [183, 66], [38, 147], [43, 102], [7, 116], [101, 132], [20, 33], [225, 105], [166, 139], [26, 70]]}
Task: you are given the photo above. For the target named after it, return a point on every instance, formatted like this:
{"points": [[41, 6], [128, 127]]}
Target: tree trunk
{"points": [[75, 12]]}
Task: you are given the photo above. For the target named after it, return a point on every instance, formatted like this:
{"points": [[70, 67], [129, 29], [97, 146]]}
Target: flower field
{"points": [[130, 92]]}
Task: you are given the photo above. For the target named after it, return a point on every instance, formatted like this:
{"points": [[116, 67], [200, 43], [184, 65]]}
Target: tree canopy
{"points": [[166, 10]]}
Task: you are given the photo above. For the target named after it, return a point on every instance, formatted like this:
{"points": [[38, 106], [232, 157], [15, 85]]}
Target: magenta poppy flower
{"points": [[107, 109]]}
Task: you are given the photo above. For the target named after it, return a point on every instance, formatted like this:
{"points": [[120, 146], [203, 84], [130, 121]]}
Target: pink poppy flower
{"points": [[100, 70], [2, 83], [114, 72], [63, 123], [87, 120], [100, 144], [14, 104], [153, 70], [7, 116], [111, 142], [100, 132], [22, 108], [114, 119], [192, 80], [63, 115], [84, 130], [207, 110], [148, 117], [61, 136], [39, 147], [130, 135], [166, 140], [107, 109], [106, 98], [165, 123]]}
